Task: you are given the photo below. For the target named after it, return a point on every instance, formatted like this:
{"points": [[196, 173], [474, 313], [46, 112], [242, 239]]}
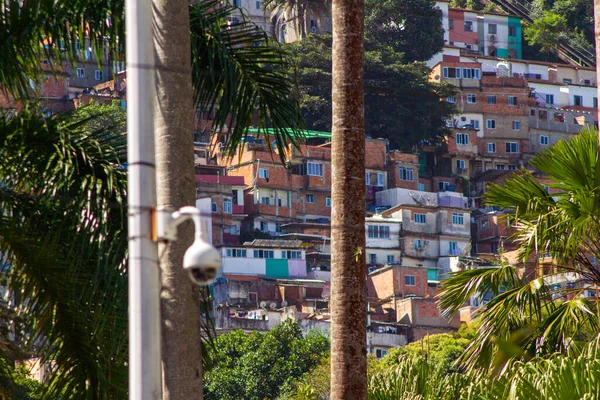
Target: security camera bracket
{"points": [[166, 222]]}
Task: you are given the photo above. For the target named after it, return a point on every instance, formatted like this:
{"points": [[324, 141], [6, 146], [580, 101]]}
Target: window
{"points": [[512, 100], [460, 164], [419, 218], [239, 253], [214, 207], [380, 353], [406, 174], [380, 179], [421, 187], [327, 201], [314, 169], [80, 73], [264, 226], [516, 125], [458, 219], [490, 123], [462, 138], [418, 244], [468, 26], [263, 173], [549, 99], [544, 140], [492, 29], [470, 73], [475, 123], [258, 5], [265, 200], [390, 259], [378, 231], [500, 166], [491, 100], [471, 99], [451, 72], [292, 254], [367, 178], [512, 147], [372, 258], [484, 223], [227, 206], [310, 198], [278, 227], [577, 100], [410, 280], [443, 186], [512, 167], [264, 254], [454, 248], [450, 24], [491, 147], [595, 102], [98, 75], [512, 31], [567, 81], [451, 99]]}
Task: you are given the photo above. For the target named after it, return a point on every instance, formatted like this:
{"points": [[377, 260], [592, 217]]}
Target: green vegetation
{"points": [[393, 77], [259, 366], [16, 385], [547, 32]]}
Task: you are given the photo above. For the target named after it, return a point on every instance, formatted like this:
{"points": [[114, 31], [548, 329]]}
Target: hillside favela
{"points": [[299, 200]]}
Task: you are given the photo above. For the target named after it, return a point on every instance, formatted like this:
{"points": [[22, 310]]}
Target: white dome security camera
{"points": [[202, 261]]}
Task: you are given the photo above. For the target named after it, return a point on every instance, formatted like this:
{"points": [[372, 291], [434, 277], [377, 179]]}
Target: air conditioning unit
{"points": [[521, 105]]}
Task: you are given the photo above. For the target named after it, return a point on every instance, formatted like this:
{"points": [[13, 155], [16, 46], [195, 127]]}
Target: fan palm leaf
{"points": [[531, 315]]}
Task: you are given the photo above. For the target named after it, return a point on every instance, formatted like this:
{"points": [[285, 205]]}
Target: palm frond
{"points": [[244, 77], [63, 236]]}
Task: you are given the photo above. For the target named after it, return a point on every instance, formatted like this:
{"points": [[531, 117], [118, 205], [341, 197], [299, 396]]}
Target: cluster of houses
{"points": [[271, 219]]}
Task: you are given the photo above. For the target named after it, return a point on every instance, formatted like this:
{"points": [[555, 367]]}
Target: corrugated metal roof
{"points": [[275, 243]]}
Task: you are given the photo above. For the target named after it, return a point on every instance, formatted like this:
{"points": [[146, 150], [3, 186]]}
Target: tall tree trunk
{"points": [[173, 122], [348, 284]]}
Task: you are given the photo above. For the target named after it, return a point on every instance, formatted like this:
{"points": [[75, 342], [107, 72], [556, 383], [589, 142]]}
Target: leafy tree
{"points": [[401, 104], [578, 14], [528, 315], [16, 385], [400, 24], [259, 366], [547, 32]]}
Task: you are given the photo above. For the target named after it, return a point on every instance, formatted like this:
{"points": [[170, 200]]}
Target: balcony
{"points": [[319, 275]]}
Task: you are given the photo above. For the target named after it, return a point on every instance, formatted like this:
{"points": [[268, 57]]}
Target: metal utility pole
{"points": [[597, 36], [144, 278]]}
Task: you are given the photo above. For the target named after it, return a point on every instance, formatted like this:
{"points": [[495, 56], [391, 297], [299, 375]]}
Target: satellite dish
{"points": [[437, 77], [263, 304], [273, 306], [284, 303]]}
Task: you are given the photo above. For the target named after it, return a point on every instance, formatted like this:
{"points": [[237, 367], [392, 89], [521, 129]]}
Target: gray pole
{"points": [[144, 279]]}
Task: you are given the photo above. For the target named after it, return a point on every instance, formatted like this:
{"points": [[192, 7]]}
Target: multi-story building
{"points": [[300, 189], [485, 33]]}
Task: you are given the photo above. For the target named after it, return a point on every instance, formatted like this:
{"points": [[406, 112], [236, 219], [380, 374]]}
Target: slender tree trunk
{"points": [[173, 121], [348, 285]]}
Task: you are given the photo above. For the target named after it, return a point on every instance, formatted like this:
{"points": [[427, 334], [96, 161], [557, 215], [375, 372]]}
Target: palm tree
{"points": [[295, 11], [348, 282], [530, 314], [236, 70], [64, 241]]}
